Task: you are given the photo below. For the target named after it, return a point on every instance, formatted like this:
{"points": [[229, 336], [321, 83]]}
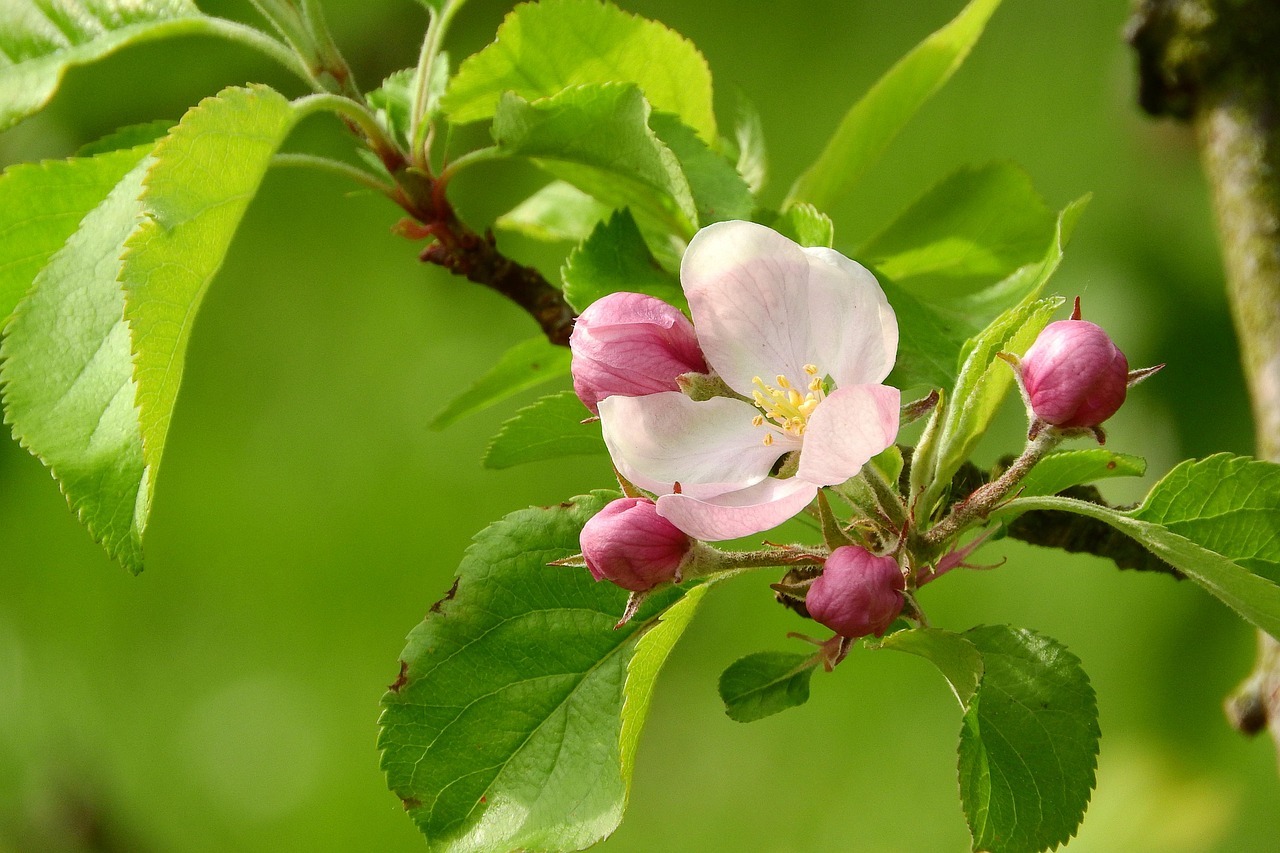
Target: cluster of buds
{"points": [[686, 406]]}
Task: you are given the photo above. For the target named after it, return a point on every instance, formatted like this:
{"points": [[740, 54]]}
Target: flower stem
{"points": [[336, 167], [986, 499]]}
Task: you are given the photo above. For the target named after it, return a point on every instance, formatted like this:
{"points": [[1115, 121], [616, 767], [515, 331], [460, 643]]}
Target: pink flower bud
{"points": [[632, 345], [628, 543], [1073, 375], [857, 593]]}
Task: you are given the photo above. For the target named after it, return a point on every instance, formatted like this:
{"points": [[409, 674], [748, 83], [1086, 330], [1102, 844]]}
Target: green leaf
{"points": [[544, 48], [982, 384], [615, 259], [41, 205], [1068, 468], [1029, 743], [558, 211], [526, 365], [1253, 596], [40, 40], [956, 658], [393, 103], [642, 672], [748, 139], [941, 324], [549, 429], [719, 192], [872, 123], [807, 225], [766, 683], [598, 139], [68, 374], [193, 200], [1228, 504], [967, 233], [514, 721], [129, 136]]}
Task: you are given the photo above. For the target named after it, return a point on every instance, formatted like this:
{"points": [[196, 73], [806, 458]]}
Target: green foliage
{"points": [[1068, 468], [642, 672], [615, 258], [41, 205], [984, 379], [805, 224], [39, 41], [947, 297], [749, 140], [549, 429], [1029, 743], [193, 204], [1228, 504], [956, 658], [1209, 537], [872, 123], [68, 374], [766, 683], [719, 192], [967, 233], [543, 48], [393, 103], [598, 139], [558, 211], [506, 727], [526, 365], [129, 136]]}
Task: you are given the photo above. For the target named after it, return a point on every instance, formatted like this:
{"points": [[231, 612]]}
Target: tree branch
{"points": [[1215, 64]]}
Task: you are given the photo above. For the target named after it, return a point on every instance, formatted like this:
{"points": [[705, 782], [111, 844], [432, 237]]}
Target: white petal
{"points": [[763, 306], [739, 513], [848, 428], [708, 447], [858, 331]]}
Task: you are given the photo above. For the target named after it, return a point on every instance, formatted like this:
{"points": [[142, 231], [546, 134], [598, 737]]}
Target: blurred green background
{"points": [[306, 517]]}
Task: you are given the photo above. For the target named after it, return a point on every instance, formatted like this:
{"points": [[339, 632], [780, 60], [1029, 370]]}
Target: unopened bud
{"points": [[1074, 376], [631, 345], [629, 544], [857, 593]]}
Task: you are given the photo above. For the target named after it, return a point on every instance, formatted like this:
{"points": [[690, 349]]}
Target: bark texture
{"points": [[1216, 65]]}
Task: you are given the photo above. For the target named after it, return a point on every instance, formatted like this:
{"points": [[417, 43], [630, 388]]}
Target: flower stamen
{"points": [[784, 410]]}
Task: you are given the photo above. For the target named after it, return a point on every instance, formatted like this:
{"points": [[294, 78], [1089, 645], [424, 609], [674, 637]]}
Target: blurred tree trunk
{"points": [[1216, 65]]}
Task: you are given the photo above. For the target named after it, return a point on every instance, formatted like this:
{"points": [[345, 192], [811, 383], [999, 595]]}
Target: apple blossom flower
{"points": [[803, 337], [629, 544], [857, 593], [631, 344]]}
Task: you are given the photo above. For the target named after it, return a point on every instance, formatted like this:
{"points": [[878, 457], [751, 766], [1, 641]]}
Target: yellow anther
{"points": [[784, 409]]}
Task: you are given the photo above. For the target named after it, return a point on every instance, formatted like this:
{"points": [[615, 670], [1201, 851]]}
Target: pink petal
{"points": [[709, 447], [738, 513], [848, 428], [763, 306]]}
